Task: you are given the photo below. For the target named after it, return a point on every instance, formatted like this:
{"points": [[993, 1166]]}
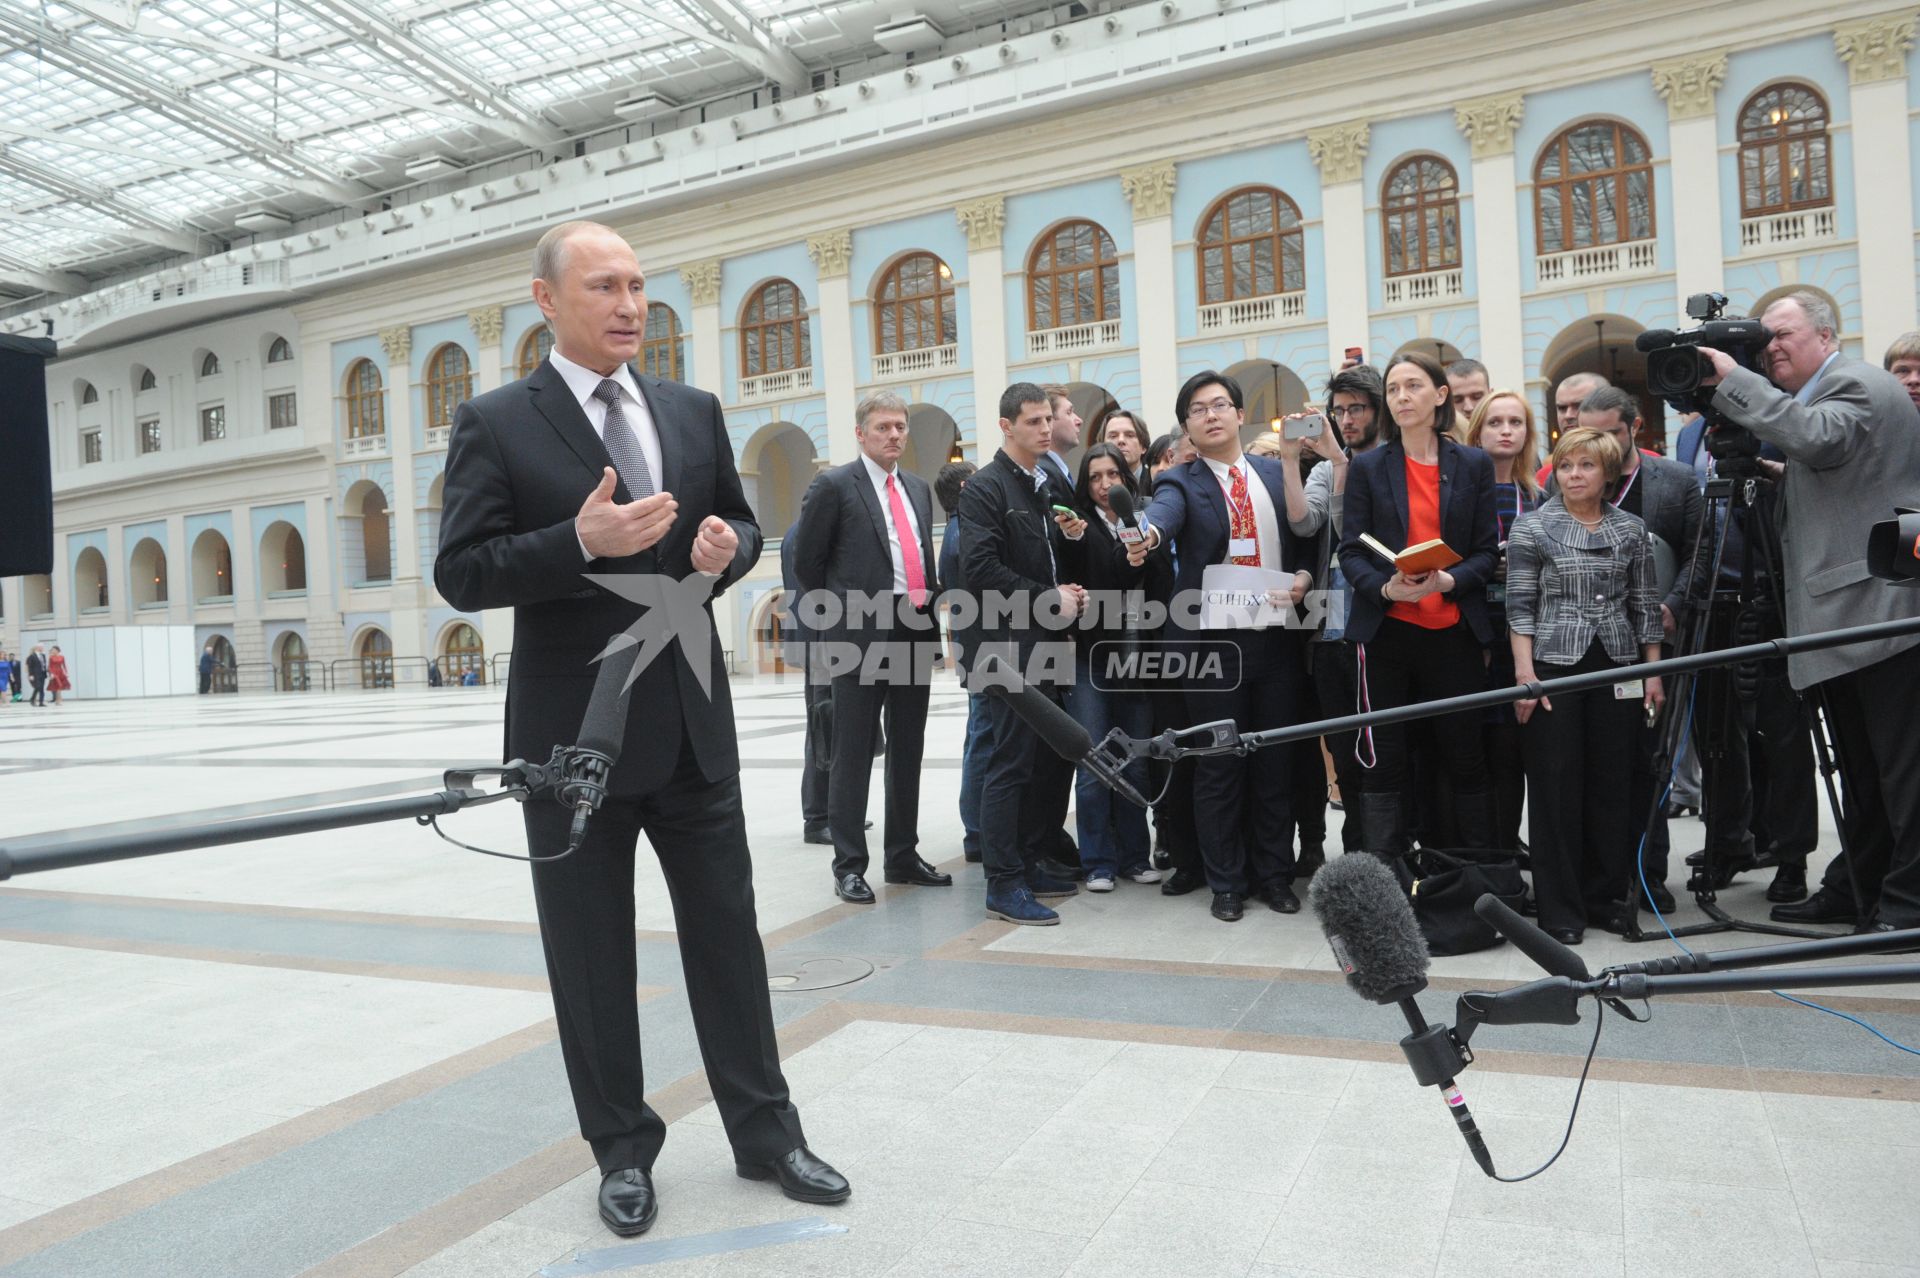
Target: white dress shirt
{"points": [[1266, 524], [582, 382], [877, 476]]}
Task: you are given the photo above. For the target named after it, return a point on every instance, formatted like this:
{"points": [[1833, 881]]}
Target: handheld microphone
{"points": [[1061, 732], [1122, 502], [602, 730], [1378, 944]]}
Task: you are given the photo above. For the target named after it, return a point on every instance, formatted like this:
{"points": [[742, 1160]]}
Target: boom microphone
{"points": [[1378, 943], [1548, 954], [1653, 339], [1062, 733], [602, 730]]}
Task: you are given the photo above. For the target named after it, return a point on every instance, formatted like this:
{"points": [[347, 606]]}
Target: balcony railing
{"points": [[1253, 312], [792, 381], [1596, 265], [1806, 226], [364, 446], [1073, 340], [437, 436], [900, 365], [1426, 289]]}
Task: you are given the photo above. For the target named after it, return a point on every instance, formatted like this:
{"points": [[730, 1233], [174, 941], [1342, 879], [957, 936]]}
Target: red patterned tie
{"points": [[1244, 526], [909, 548]]}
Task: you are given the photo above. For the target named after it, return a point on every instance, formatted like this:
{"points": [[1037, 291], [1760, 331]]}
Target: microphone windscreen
{"points": [[1037, 710], [1653, 339], [1552, 957], [1370, 924], [1122, 502], [604, 726]]}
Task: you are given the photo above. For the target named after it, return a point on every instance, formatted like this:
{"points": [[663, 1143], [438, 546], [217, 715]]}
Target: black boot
{"points": [[1385, 823], [1473, 818]]}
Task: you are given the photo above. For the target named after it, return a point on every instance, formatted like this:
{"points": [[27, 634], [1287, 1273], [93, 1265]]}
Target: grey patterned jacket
{"points": [[1566, 585]]}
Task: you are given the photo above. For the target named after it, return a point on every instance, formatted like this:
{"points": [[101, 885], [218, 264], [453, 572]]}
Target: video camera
{"points": [[1675, 367]]}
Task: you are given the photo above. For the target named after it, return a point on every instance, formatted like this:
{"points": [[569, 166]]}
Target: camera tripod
{"points": [[1711, 623]]}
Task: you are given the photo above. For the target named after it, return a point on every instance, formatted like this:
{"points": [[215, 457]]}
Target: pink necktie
{"points": [[909, 549]]}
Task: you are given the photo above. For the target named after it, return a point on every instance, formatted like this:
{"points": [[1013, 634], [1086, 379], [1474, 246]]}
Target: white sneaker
{"points": [[1101, 882], [1146, 874]]}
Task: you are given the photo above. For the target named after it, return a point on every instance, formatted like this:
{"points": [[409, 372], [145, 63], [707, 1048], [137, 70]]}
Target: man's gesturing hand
{"points": [[609, 530], [714, 546]]}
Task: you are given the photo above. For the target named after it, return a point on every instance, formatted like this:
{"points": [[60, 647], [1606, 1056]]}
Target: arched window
{"points": [[660, 348], [1251, 245], [774, 334], [1420, 216], [1593, 186], [464, 652], [376, 536], [147, 379], [1784, 153], [449, 383], [376, 660], [280, 352], [1073, 277], [914, 306], [210, 365], [366, 404], [534, 347], [88, 394]]}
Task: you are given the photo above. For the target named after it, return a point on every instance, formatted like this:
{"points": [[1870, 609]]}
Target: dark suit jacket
{"points": [[521, 462], [1011, 546], [1190, 513], [843, 541], [36, 667], [1376, 502]]}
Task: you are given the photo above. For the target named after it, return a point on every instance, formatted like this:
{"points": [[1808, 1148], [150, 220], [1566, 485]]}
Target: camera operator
{"points": [[1852, 441]]}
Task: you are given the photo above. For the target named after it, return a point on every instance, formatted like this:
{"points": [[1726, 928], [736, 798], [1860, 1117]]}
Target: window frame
{"points": [[278, 345], [89, 395], [532, 349], [1104, 268], [366, 406], [672, 345], [447, 388], [147, 430], [1785, 135], [215, 416], [209, 366], [1422, 204], [1620, 174], [291, 400], [1281, 237], [147, 381], [788, 331], [937, 309], [91, 442]]}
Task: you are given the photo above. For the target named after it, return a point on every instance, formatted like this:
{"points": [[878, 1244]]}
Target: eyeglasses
{"points": [[1214, 408], [1348, 410]]}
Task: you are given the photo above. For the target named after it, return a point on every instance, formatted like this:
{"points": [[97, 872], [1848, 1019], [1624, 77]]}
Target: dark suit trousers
{"points": [[813, 781], [1243, 806], [1173, 815], [857, 712], [1013, 810], [1872, 713], [699, 832], [1578, 769]]}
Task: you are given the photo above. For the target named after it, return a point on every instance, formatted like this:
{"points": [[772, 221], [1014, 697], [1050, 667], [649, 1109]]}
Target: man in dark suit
{"points": [[947, 488], [37, 675], [866, 537], [1228, 507], [588, 466]]}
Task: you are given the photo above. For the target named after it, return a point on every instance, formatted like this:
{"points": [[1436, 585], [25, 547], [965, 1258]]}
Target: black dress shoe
{"points": [[1565, 935], [1054, 868], [1280, 899], [919, 874], [1662, 899], [1179, 883], [1227, 907], [818, 834], [627, 1203], [803, 1177], [1789, 884], [853, 889], [1824, 906]]}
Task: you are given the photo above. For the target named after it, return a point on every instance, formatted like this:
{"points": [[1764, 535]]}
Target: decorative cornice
{"points": [[1490, 122], [486, 323], [831, 251], [982, 220], [1339, 150], [1149, 189], [702, 280], [1688, 84], [397, 342], [1875, 49]]}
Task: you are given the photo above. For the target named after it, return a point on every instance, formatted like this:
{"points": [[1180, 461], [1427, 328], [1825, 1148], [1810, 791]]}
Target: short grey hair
{"points": [[1592, 381], [878, 402], [1817, 309], [1611, 399], [549, 255]]}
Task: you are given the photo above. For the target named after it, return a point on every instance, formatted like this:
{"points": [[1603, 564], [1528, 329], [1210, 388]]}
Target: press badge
{"points": [[1242, 547], [1632, 690]]}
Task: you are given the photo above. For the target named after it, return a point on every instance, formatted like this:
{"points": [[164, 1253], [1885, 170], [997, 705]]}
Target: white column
{"points": [[983, 220], [703, 286], [119, 577], [246, 568], [179, 571], [1875, 52], [13, 618], [1150, 190], [1699, 255], [408, 639], [1341, 151], [486, 323], [831, 252], [1489, 124]]}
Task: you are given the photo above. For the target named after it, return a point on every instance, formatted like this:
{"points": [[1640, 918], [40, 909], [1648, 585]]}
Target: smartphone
{"points": [[1307, 427], [1068, 511], [1355, 354]]}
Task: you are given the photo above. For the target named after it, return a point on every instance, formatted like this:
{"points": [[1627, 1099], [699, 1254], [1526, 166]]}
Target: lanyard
{"points": [[1631, 480]]}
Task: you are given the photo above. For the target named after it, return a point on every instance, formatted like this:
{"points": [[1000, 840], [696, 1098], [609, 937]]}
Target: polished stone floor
{"points": [[334, 1054]]}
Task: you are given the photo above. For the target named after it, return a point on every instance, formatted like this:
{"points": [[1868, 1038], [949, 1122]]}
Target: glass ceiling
{"points": [[135, 130]]}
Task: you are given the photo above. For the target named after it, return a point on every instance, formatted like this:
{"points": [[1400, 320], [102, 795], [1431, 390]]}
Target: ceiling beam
{"points": [[440, 72], [738, 35], [169, 163], [16, 274], [138, 234], [58, 47], [145, 226]]}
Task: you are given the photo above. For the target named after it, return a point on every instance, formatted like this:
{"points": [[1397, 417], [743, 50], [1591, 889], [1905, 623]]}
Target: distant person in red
{"points": [[57, 681]]}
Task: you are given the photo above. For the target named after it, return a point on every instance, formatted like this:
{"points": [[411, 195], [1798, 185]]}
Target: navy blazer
{"points": [[1189, 510], [1376, 502]]}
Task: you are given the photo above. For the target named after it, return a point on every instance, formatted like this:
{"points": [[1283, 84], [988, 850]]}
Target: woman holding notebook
{"points": [[1419, 543]]}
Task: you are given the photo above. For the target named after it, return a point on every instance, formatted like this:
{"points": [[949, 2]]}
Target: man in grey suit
{"points": [[1852, 441]]}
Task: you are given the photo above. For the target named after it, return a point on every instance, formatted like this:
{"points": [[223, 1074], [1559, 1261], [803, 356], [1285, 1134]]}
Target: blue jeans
{"points": [[973, 757], [1113, 831]]}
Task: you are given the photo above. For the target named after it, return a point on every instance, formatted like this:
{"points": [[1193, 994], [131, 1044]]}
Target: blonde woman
{"points": [[1502, 427]]}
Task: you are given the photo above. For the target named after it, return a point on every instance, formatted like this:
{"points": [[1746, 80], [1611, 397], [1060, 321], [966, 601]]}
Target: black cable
{"points": [[1599, 1019], [504, 856]]}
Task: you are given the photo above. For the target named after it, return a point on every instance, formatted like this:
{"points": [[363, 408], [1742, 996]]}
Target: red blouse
{"points": [[1434, 611]]}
